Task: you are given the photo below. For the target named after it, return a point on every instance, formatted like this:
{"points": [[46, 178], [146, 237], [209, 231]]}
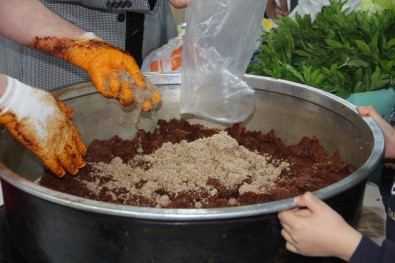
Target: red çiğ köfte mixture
{"points": [[183, 165]]}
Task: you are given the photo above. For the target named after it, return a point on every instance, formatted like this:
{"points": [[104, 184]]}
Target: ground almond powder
{"points": [[188, 166]]}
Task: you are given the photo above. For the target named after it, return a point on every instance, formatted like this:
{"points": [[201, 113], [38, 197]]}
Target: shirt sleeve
{"points": [[140, 6], [368, 251]]}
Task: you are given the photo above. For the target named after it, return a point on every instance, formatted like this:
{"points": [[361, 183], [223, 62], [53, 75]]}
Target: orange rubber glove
{"points": [[42, 124], [113, 72]]}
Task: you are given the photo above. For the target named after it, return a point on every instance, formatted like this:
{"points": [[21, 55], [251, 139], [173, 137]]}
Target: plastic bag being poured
{"points": [[220, 38]]}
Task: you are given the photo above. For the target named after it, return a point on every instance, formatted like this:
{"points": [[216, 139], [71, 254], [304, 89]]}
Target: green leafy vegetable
{"points": [[375, 5], [341, 51]]}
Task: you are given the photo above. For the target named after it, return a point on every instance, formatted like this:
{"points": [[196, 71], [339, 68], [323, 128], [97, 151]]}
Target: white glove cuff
{"points": [[14, 90], [88, 35], [28, 103]]}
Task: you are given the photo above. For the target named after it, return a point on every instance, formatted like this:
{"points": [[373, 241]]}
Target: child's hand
{"points": [[386, 128], [315, 229]]}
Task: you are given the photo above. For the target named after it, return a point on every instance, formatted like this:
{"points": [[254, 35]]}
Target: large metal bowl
{"points": [[50, 226]]}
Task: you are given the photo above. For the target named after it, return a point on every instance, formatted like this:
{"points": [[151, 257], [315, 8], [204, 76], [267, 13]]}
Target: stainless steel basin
{"points": [[37, 215]]}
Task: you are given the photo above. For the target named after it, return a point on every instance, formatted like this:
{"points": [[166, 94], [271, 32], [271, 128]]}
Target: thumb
{"points": [[309, 201], [69, 112]]}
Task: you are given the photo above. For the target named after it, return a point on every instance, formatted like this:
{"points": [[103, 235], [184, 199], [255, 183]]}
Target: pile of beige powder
{"points": [[187, 167]]}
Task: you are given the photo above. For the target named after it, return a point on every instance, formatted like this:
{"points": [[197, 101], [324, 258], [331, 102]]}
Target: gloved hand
{"points": [[42, 124], [113, 72]]}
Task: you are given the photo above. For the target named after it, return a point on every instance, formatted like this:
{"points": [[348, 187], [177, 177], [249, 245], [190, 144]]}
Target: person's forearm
{"points": [[23, 20]]}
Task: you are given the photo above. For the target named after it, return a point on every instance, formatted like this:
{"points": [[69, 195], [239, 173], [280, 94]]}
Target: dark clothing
{"points": [[43, 71], [134, 36], [368, 251]]}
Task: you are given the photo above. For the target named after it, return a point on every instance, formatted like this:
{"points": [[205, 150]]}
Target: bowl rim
{"points": [[193, 214]]}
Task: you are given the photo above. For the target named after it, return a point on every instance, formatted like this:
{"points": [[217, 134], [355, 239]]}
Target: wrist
{"points": [[350, 244], [8, 94], [85, 48], [14, 95], [88, 36]]}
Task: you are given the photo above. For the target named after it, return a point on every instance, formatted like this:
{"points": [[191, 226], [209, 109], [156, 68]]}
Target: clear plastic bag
{"points": [[220, 38]]}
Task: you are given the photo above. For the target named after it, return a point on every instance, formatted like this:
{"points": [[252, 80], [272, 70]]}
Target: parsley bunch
{"points": [[341, 51]]}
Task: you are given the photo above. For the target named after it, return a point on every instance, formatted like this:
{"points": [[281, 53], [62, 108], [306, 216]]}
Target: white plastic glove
{"points": [[42, 123]]}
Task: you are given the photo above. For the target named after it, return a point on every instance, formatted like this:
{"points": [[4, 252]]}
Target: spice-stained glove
{"points": [[42, 123], [113, 72]]}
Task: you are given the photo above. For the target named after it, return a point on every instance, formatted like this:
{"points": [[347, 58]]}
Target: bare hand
{"points": [[179, 3], [273, 11], [387, 129], [315, 229]]}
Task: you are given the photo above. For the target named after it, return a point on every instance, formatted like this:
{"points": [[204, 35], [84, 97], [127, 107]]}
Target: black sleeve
{"points": [[368, 251]]}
